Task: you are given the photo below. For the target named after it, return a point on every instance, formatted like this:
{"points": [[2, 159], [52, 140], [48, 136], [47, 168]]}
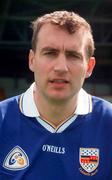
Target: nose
{"points": [[61, 64]]}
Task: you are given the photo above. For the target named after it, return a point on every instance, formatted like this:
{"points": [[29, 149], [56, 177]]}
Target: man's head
{"points": [[69, 21], [61, 55]]}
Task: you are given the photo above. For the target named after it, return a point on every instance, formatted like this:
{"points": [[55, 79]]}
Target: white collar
{"points": [[28, 107]]}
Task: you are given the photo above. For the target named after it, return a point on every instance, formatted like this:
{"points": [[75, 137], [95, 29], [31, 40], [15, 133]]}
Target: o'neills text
{"points": [[53, 149]]}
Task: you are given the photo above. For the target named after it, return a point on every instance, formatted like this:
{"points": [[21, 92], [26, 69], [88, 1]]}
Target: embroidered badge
{"points": [[89, 160], [16, 159]]}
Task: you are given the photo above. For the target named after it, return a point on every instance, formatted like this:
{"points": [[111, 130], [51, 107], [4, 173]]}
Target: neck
{"points": [[55, 112]]}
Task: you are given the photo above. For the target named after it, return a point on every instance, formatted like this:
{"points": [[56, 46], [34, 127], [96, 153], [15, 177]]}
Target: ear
{"points": [[91, 65], [31, 60]]}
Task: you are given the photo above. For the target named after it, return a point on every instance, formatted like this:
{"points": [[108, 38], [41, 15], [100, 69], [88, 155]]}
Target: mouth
{"points": [[59, 81]]}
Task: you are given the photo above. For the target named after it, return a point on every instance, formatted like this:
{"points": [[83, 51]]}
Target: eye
{"points": [[50, 53], [73, 55]]}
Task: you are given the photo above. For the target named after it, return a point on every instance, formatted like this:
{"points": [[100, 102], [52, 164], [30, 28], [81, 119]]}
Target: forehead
{"points": [[54, 35]]}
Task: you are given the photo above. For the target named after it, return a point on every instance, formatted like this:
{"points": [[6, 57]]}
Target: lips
{"points": [[60, 81]]}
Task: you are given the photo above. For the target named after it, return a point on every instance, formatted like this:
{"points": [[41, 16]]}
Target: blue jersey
{"points": [[82, 151]]}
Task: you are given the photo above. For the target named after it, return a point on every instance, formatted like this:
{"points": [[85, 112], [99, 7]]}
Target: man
{"points": [[55, 130]]}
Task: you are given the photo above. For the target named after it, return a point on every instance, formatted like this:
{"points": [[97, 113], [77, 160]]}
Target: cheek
{"points": [[41, 71], [42, 68], [83, 69], [80, 70], [79, 73]]}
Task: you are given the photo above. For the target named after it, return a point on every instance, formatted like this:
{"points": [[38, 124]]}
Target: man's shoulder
{"points": [[101, 106], [9, 100], [9, 104], [101, 101]]}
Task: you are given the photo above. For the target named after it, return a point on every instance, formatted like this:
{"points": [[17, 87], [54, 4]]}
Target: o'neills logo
{"points": [[53, 149], [89, 161]]}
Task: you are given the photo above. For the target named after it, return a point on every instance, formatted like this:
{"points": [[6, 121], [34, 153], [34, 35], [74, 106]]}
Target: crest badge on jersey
{"points": [[16, 159], [89, 159]]}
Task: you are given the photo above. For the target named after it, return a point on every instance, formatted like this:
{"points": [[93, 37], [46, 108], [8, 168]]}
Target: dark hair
{"points": [[67, 20]]}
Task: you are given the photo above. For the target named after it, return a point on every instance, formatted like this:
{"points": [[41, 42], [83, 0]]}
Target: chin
{"points": [[58, 98]]}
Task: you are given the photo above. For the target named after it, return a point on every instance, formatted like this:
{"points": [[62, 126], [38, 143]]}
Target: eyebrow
{"points": [[49, 49], [74, 52]]}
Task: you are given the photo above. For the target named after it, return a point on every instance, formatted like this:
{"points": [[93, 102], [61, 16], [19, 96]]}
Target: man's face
{"points": [[60, 63]]}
